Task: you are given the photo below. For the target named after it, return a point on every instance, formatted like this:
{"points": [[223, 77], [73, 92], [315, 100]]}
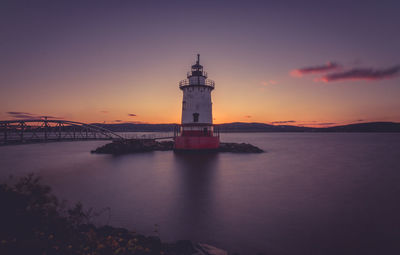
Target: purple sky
{"points": [[121, 60]]}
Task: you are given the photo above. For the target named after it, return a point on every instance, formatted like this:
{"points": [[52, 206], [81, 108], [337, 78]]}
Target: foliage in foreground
{"points": [[33, 221]]}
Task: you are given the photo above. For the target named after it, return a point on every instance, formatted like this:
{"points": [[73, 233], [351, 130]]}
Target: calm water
{"points": [[309, 194]]}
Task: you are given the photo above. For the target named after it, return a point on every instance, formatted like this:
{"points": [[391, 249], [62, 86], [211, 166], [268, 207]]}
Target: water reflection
{"points": [[195, 205], [310, 194]]}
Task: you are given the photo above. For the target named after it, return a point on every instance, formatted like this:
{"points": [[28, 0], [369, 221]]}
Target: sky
{"points": [[312, 63]]}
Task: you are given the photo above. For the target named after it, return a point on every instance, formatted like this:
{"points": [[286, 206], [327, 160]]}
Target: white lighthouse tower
{"points": [[196, 131]]}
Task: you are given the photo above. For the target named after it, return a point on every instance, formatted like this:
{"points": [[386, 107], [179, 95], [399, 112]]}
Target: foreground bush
{"points": [[33, 221]]}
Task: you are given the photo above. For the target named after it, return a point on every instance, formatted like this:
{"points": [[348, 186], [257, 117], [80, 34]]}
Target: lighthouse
{"points": [[196, 131]]}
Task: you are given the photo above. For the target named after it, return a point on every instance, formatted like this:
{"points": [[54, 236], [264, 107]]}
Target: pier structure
{"points": [[44, 130]]}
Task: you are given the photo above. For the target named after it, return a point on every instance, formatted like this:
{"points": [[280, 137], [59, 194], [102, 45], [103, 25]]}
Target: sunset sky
{"points": [[309, 63]]}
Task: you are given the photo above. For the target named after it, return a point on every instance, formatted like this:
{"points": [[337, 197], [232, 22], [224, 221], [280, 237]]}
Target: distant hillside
{"points": [[259, 127], [130, 127], [364, 127]]}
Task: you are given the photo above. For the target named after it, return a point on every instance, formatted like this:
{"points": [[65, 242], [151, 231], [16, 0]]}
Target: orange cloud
{"points": [[270, 82], [283, 122]]}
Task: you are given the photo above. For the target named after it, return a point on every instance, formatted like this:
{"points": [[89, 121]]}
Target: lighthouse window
{"points": [[184, 105], [196, 117]]}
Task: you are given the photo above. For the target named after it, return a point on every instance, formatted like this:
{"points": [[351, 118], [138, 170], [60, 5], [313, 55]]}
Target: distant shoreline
{"points": [[244, 127]]}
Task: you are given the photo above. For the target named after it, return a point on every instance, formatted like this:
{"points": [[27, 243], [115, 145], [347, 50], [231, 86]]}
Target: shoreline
{"points": [[37, 222]]}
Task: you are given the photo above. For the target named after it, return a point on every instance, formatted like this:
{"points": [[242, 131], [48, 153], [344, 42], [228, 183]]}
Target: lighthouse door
{"points": [[196, 117]]}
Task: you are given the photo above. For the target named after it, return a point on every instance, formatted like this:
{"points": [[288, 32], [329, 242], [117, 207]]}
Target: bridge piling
{"points": [[45, 129], [21, 124], [5, 126], [59, 130]]}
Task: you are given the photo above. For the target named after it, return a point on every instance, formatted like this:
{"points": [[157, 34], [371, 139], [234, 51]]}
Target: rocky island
{"points": [[146, 145]]}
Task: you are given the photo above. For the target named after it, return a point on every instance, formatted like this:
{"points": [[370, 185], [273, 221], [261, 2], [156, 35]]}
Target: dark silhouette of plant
{"points": [[33, 221]]}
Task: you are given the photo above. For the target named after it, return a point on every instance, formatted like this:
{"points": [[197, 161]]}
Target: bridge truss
{"points": [[43, 130]]}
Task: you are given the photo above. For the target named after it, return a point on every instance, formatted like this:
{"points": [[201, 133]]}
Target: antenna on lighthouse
{"points": [[198, 59]]}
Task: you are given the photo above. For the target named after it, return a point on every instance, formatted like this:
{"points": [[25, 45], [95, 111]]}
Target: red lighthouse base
{"points": [[196, 142], [192, 137]]}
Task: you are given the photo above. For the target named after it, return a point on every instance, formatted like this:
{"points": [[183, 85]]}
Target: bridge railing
{"points": [[38, 130], [42, 130]]}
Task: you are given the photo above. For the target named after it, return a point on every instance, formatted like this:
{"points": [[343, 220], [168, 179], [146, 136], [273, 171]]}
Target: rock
{"points": [[239, 148], [146, 145], [187, 247], [134, 146], [206, 249]]}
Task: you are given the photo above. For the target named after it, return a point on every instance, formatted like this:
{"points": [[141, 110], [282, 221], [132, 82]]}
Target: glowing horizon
{"points": [[271, 63]]}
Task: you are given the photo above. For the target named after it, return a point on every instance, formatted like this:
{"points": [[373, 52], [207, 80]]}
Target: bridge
{"points": [[44, 130]]}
